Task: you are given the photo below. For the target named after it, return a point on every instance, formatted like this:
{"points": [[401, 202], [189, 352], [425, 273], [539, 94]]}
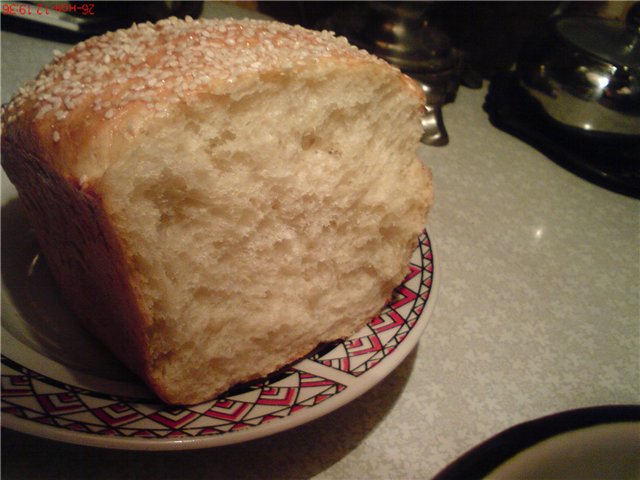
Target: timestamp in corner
{"points": [[25, 9]]}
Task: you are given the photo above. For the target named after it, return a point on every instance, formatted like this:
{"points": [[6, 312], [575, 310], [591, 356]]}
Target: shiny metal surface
{"points": [[402, 34], [435, 133], [585, 72]]}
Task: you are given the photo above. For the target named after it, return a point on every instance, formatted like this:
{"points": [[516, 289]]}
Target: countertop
{"points": [[538, 312]]}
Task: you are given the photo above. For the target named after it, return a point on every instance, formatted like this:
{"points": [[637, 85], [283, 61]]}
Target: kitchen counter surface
{"points": [[538, 312]]}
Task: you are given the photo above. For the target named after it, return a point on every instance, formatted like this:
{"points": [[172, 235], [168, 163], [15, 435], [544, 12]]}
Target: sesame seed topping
{"points": [[172, 60], [56, 136]]}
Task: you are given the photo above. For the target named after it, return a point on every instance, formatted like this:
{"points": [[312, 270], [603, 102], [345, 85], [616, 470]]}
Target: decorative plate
{"points": [[82, 395]]}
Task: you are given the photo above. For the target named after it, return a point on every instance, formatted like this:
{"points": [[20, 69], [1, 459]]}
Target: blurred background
{"points": [[489, 34]]}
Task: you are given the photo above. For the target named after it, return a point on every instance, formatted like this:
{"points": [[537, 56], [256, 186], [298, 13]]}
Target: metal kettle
{"points": [[585, 72]]}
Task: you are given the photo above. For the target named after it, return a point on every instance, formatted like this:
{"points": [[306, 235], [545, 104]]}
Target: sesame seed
{"points": [[43, 111], [56, 136]]}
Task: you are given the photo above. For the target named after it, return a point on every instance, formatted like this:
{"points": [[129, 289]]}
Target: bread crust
{"points": [[100, 293]]}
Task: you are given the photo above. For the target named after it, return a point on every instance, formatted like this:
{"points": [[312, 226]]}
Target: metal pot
{"points": [[585, 73]]}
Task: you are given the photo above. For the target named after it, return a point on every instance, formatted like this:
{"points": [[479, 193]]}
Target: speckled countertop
{"points": [[538, 312]]}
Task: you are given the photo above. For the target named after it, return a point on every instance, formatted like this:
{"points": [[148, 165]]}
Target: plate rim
{"points": [[358, 387], [489, 455]]}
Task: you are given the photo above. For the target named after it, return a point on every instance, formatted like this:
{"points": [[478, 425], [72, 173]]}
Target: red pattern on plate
{"points": [[33, 397], [383, 334]]}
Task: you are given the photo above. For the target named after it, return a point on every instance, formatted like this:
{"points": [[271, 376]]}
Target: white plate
{"points": [[586, 443], [58, 382], [611, 450]]}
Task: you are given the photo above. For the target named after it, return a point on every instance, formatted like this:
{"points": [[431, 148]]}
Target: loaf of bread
{"points": [[215, 198]]}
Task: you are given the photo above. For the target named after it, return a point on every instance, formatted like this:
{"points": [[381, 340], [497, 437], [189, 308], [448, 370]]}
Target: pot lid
{"points": [[613, 41]]}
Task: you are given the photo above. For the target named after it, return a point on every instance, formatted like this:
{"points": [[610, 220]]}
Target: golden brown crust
{"points": [[98, 290]]}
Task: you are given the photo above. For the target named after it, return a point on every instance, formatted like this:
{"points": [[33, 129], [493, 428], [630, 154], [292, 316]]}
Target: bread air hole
{"points": [[223, 138], [308, 141], [173, 199], [202, 293]]}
